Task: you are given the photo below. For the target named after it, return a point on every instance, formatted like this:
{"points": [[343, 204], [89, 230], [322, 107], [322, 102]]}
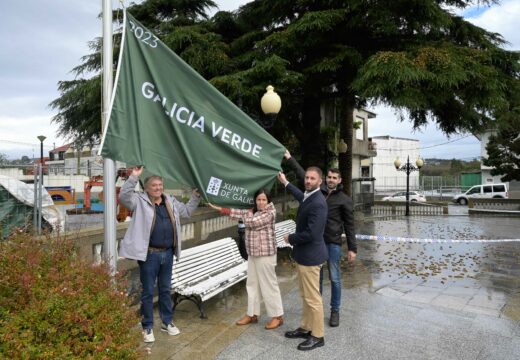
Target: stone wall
{"points": [[494, 204]]}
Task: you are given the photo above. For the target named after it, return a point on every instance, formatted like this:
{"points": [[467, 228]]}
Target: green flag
{"points": [[167, 117]]}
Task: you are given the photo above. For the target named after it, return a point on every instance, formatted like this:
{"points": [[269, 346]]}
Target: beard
{"points": [[331, 186], [310, 188]]}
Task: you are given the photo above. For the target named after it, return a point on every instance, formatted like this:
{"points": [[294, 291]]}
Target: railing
{"points": [[399, 208], [196, 229], [205, 225], [494, 204]]}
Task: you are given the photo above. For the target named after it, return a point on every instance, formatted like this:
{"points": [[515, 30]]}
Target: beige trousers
{"points": [[262, 283], [312, 317]]}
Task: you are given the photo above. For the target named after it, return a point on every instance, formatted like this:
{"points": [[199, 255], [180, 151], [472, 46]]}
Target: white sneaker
{"points": [[171, 329], [148, 336]]}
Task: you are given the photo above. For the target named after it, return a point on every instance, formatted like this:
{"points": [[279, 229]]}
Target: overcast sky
{"points": [[43, 40]]}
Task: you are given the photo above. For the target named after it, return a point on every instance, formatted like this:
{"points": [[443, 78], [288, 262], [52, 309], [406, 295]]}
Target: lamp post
{"points": [[39, 190], [41, 138], [342, 147], [271, 105], [408, 168]]}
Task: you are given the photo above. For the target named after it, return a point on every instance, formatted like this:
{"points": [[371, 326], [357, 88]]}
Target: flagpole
{"points": [[109, 172]]}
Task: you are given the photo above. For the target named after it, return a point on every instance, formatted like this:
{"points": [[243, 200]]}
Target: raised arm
{"points": [[185, 210], [127, 195], [254, 221], [296, 167], [297, 193]]}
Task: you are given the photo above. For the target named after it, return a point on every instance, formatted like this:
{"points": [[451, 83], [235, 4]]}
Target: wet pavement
{"points": [[399, 301]]}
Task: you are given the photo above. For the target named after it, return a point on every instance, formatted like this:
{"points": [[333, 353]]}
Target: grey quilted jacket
{"points": [[135, 243]]}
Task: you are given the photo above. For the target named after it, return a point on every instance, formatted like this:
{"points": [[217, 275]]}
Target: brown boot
{"points": [[275, 322], [247, 320]]}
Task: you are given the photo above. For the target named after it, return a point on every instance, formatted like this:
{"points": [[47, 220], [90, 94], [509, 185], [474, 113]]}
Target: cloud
{"points": [[22, 131], [43, 40], [433, 142], [502, 19]]}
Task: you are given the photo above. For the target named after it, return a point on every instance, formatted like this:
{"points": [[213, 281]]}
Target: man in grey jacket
{"points": [[152, 238]]}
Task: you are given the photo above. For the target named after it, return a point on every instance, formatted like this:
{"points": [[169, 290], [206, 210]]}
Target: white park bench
{"points": [[206, 270], [282, 228]]}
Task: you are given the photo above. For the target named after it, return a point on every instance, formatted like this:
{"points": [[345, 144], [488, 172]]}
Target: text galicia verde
{"points": [[188, 117]]}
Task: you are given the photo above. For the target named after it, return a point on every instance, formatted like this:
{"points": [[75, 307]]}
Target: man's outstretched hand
{"points": [[281, 178], [137, 170]]}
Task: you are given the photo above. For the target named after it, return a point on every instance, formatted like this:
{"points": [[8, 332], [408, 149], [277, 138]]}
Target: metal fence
{"points": [[437, 187]]}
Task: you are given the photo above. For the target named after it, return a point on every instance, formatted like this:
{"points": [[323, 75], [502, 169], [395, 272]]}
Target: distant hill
{"points": [[440, 167]]}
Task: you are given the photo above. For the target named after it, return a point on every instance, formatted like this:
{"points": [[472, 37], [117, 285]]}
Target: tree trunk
{"points": [[310, 138], [346, 133]]}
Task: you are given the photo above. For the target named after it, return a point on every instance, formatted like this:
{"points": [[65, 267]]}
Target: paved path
{"points": [[400, 301]]}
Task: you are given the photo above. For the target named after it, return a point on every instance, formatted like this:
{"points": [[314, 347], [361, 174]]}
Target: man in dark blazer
{"points": [[309, 252], [340, 219]]}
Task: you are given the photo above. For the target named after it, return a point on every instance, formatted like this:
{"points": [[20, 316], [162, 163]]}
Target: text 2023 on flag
{"points": [[167, 117]]}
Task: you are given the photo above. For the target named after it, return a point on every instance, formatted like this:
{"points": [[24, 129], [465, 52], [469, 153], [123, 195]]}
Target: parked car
{"points": [[401, 196], [488, 191]]}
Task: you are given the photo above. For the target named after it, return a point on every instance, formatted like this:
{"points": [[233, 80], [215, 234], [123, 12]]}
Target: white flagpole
{"points": [[109, 172]]}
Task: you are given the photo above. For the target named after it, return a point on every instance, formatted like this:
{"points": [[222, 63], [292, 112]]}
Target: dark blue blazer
{"points": [[308, 245]]}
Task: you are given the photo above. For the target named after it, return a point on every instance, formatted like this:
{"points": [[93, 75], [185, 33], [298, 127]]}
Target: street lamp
{"points": [[342, 147], [271, 105], [408, 168], [41, 138]]}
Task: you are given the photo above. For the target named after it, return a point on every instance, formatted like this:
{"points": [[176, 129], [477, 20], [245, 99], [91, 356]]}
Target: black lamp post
{"points": [[408, 168], [41, 138], [271, 105]]}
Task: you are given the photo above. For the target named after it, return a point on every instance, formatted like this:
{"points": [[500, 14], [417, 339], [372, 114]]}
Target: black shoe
{"points": [[298, 333], [334, 318], [312, 342]]}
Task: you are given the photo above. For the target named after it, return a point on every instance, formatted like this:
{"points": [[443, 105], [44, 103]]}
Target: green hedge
{"points": [[56, 306]]}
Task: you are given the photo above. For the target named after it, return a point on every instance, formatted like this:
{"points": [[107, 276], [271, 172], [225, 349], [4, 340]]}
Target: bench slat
{"points": [[215, 284], [200, 265], [195, 275], [282, 228], [208, 269]]}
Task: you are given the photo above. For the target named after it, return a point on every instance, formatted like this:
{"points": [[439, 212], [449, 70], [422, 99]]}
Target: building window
{"points": [[365, 171], [359, 130]]}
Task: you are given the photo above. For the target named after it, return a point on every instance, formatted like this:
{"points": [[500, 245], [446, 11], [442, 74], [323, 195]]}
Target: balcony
{"points": [[372, 148]]}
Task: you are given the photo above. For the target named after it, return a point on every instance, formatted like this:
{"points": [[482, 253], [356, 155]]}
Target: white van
{"points": [[489, 191]]}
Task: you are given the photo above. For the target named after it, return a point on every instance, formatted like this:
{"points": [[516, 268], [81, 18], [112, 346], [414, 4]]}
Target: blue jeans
{"points": [[333, 265], [158, 266]]}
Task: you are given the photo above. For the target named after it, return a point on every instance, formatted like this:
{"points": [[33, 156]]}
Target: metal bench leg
{"points": [[177, 299], [201, 310]]}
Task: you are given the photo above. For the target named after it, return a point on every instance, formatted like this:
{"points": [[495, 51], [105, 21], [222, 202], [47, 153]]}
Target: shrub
{"points": [[290, 214], [54, 305]]}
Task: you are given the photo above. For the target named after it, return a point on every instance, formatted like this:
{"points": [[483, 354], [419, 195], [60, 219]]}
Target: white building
{"points": [[362, 147], [388, 179], [487, 178]]}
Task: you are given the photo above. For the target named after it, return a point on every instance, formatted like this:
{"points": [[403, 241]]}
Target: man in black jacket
{"points": [[340, 219]]}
